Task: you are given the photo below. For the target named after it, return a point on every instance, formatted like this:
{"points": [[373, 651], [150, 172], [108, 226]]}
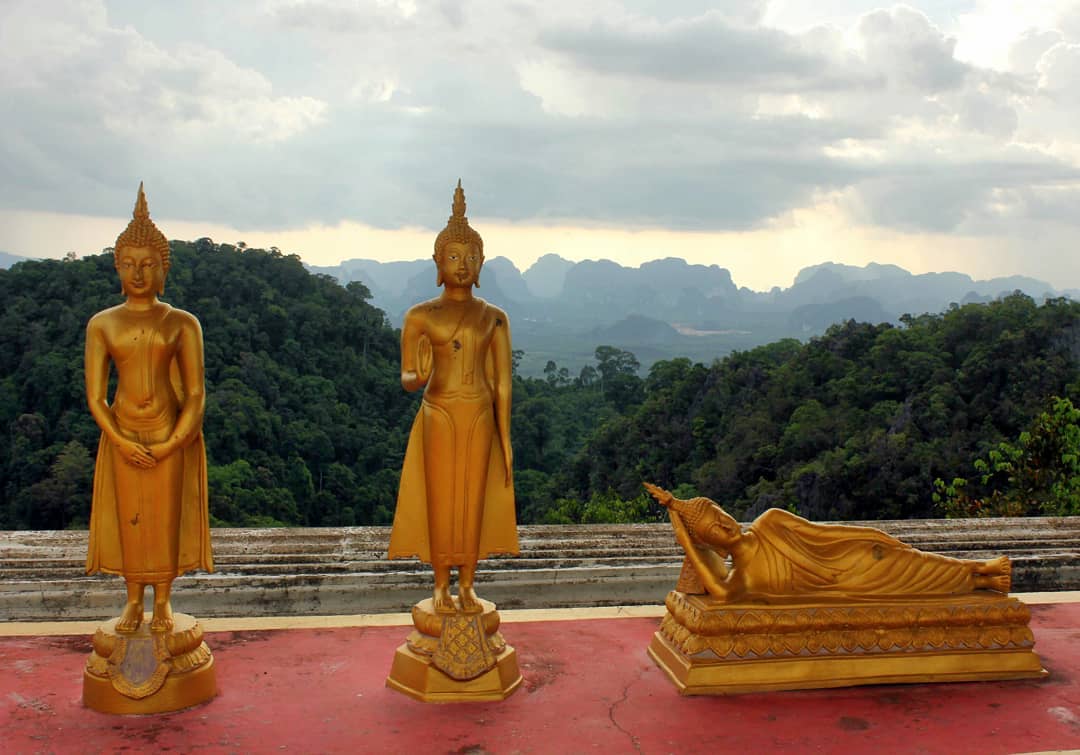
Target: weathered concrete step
{"points": [[213, 595], [76, 557], [73, 566], [366, 566], [284, 571], [540, 537], [220, 595]]}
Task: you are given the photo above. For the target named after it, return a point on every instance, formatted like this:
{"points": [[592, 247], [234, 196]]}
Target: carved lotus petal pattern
{"points": [[831, 640], [793, 643], [759, 643]]}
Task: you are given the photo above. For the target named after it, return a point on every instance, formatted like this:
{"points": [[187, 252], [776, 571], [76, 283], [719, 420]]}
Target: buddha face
{"points": [[717, 528], [459, 264], [140, 270]]}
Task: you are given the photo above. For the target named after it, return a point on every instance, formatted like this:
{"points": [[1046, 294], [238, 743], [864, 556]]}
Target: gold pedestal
{"points": [[149, 672], [455, 657], [711, 648]]}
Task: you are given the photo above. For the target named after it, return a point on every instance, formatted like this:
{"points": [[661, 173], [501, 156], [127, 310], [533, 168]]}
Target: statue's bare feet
{"points": [[995, 574], [470, 603], [162, 620], [131, 617], [442, 600]]}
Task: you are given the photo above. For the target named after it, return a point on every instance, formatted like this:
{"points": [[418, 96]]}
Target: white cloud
{"points": [[949, 117], [134, 88]]}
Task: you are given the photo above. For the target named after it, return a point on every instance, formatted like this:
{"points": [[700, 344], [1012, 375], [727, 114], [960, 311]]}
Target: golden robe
{"points": [[411, 534], [797, 557], [170, 537]]}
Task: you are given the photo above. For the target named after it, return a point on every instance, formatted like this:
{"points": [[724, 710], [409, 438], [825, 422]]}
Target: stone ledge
{"points": [[297, 571]]}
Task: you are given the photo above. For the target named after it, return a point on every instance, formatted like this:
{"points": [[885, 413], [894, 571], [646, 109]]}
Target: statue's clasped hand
{"points": [[137, 455]]}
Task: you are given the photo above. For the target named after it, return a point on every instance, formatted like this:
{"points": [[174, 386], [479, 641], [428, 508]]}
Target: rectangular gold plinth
{"points": [[695, 677], [413, 675], [712, 648]]}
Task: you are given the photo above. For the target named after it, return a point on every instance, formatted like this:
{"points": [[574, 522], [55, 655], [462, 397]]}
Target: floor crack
{"points": [[611, 710]]}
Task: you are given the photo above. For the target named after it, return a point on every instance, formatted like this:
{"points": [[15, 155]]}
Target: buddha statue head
{"points": [[141, 253], [704, 520], [459, 250]]}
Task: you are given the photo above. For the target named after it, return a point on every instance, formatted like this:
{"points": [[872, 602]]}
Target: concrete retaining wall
{"points": [[296, 571]]}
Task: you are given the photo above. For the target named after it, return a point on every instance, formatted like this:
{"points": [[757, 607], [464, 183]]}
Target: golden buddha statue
{"points": [[456, 498], [791, 604], [782, 555], [149, 520]]}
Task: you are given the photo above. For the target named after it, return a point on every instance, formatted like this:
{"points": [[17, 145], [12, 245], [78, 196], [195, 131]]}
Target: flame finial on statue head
{"points": [[458, 208], [141, 211], [141, 231]]}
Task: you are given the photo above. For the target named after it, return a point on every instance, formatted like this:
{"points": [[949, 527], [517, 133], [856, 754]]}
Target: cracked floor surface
{"points": [[589, 687]]}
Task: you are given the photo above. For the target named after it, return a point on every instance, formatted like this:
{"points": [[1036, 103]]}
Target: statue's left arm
{"points": [[189, 359], [500, 351]]}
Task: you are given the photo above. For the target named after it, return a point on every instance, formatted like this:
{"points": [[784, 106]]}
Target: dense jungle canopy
{"points": [[306, 421]]}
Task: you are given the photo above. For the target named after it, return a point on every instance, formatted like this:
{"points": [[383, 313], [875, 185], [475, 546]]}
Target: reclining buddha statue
{"points": [[782, 555], [789, 604]]}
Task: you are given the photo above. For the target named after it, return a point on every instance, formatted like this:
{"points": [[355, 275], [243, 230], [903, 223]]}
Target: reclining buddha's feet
{"points": [[995, 574]]}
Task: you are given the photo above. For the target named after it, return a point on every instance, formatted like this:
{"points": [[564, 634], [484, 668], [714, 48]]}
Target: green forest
{"points": [[972, 411]]}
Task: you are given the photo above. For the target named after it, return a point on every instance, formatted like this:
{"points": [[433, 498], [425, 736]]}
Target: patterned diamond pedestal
{"points": [[455, 657], [149, 672], [710, 648]]}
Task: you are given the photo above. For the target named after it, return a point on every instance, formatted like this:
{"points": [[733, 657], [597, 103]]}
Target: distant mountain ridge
{"points": [[559, 309], [7, 260]]}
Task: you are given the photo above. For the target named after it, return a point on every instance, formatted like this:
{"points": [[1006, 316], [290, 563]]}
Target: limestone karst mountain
{"points": [[547, 276], [561, 310], [7, 260]]}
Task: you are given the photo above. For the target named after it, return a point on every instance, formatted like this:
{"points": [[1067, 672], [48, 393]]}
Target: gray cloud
{"points": [[706, 49], [904, 44], [700, 121], [968, 196]]}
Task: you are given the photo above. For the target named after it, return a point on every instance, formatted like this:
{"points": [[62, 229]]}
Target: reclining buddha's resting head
{"points": [[704, 520]]}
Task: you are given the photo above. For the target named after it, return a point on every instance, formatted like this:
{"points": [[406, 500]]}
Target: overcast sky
{"points": [[760, 136]]}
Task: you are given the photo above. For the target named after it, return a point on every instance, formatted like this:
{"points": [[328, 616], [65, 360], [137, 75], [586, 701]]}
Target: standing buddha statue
{"points": [[456, 498], [149, 519]]}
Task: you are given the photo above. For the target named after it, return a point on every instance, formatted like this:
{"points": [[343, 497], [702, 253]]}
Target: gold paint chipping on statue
{"points": [[805, 605], [149, 520], [456, 498]]}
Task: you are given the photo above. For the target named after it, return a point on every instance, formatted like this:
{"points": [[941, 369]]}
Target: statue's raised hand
{"points": [[663, 497], [424, 359]]}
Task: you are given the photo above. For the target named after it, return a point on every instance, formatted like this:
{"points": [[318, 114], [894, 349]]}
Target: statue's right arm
{"points": [[96, 358], [414, 375], [714, 584]]}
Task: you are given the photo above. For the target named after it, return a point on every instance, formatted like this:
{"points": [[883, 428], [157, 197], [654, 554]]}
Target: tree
{"points": [[1038, 474]]}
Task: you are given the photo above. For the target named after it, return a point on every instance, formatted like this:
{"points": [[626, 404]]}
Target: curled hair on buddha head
{"points": [[141, 231], [692, 511], [457, 229]]}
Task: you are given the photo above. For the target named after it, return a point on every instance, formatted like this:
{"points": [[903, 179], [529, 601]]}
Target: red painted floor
{"points": [[589, 687]]}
